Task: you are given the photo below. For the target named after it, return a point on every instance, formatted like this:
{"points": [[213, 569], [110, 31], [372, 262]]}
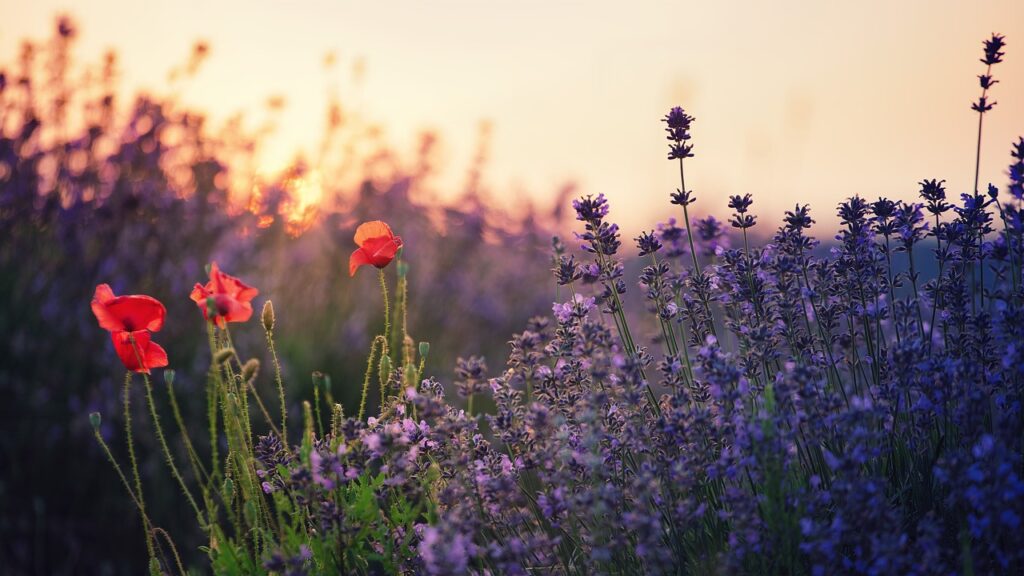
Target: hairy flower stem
{"points": [[141, 500], [280, 387], [167, 452], [212, 393], [263, 409], [197, 466], [174, 549], [387, 308], [378, 340]]}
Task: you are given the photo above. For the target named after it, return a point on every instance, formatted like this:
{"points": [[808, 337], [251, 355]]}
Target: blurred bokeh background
{"points": [[140, 141]]}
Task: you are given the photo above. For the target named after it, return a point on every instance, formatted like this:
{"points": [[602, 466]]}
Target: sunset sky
{"points": [[794, 101]]}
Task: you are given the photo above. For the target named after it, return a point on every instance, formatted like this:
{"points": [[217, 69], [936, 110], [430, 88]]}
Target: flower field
{"points": [[476, 393]]}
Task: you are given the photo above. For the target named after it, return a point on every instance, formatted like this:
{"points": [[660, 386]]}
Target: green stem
{"points": [[167, 450], [197, 467], [280, 386], [135, 498], [369, 372], [134, 461], [387, 305]]}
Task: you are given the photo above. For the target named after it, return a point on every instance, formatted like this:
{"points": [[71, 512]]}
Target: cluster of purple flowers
{"points": [[855, 410]]}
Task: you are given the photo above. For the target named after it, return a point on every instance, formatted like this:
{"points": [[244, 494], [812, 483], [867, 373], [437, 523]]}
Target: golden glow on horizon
{"points": [[794, 101]]}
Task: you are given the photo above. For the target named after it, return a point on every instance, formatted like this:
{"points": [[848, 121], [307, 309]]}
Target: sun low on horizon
{"points": [[793, 101], [479, 288]]}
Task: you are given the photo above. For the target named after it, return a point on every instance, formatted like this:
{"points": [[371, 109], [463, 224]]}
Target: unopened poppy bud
{"points": [[229, 489], [154, 567], [223, 356], [318, 380], [268, 316], [385, 367], [95, 420], [250, 369], [169, 377], [424, 349]]}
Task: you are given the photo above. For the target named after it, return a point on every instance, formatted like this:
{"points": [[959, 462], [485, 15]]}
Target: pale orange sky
{"points": [[795, 101]]}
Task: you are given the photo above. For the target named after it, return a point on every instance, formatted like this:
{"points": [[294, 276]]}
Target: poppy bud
{"points": [[268, 316], [318, 380], [424, 349], [250, 369], [385, 368], [223, 355], [95, 420], [169, 377], [229, 489]]}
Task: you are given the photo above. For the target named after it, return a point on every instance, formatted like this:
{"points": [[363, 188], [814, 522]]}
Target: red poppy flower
{"points": [[127, 318], [377, 246], [149, 353], [134, 312], [232, 297]]}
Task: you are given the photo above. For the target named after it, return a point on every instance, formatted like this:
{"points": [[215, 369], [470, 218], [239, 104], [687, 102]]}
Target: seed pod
{"points": [[268, 316], [424, 349], [95, 420], [169, 377], [223, 355], [250, 370]]}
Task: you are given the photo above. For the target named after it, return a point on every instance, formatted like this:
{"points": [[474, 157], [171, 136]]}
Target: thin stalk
{"points": [[280, 386], [212, 387], [167, 451], [134, 461], [137, 499], [197, 466], [369, 372], [387, 305]]}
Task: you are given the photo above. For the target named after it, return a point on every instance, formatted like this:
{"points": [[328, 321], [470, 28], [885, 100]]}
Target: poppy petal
{"points": [[156, 356], [136, 312], [380, 250], [372, 229], [150, 353], [133, 312], [106, 318], [357, 259]]}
